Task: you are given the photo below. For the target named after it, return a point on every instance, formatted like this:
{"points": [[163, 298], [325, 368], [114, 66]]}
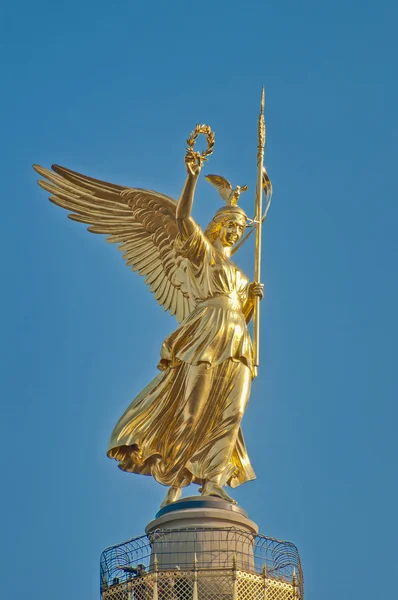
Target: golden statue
{"points": [[184, 427]]}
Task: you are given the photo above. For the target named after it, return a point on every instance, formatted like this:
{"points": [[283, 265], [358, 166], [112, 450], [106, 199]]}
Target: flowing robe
{"points": [[184, 426]]}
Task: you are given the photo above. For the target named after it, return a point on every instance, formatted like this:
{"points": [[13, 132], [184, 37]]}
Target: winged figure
{"points": [[184, 427], [225, 190]]}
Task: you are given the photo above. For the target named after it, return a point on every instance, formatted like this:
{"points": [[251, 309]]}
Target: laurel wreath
{"points": [[210, 137]]}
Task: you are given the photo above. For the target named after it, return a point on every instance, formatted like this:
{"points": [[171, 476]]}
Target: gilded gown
{"points": [[184, 426]]}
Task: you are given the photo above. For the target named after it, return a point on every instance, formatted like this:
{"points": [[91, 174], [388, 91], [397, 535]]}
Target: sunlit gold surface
{"points": [[259, 212], [229, 195], [185, 425]]}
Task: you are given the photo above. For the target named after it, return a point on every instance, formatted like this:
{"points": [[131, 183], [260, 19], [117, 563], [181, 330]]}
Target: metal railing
{"points": [[202, 564], [220, 584]]}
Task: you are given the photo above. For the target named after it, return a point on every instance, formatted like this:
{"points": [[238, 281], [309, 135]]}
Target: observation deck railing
{"points": [[226, 564]]}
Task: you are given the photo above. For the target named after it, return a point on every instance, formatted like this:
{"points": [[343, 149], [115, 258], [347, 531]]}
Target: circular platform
{"points": [[200, 502]]}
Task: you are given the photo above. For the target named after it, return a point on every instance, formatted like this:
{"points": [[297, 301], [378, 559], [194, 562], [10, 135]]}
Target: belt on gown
{"points": [[222, 301]]}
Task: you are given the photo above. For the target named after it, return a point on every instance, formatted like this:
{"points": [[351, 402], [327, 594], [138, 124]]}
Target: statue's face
{"points": [[231, 231]]}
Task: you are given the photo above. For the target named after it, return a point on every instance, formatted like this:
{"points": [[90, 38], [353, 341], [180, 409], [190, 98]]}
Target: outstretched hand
{"points": [[193, 163]]}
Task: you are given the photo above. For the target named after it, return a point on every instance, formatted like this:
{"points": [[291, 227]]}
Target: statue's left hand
{"points": [[256, 290]]}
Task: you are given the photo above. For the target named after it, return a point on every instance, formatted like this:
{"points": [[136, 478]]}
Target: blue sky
{"points": [[113, 90]]}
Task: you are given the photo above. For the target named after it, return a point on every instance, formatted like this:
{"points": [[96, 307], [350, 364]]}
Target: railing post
{"points": [[265, 581], [155, 578], [234, 579], [294, 584], [130, 589], [195, 578]]}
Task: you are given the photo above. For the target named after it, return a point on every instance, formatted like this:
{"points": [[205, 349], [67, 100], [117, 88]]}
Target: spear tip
{"points": [[262, 100]]}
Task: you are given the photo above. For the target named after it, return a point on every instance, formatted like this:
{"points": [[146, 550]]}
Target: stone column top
{"points": [[194, 511]]}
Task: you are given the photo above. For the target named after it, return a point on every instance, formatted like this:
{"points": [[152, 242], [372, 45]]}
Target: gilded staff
{"points": [[258, 222]]}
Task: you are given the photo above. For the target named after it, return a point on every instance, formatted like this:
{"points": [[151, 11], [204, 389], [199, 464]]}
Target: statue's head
{"points": [[228, 225]]}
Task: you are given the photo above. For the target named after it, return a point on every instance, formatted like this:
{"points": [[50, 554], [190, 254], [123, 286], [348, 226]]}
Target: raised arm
{"points": [[185, 224]]}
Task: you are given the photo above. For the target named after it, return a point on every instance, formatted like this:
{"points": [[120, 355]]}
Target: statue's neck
{"points": [[224, 250]]}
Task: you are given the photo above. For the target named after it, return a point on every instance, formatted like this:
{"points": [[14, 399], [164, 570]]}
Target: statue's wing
{"points": [[142, 222], [223, 186]]}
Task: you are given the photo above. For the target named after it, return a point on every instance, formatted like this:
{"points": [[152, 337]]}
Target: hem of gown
{"points": [[130, 462]]}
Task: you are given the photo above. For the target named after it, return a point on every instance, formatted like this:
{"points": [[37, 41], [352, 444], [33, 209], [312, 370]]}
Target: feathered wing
{"points": [[223, 186], [142, 222]]}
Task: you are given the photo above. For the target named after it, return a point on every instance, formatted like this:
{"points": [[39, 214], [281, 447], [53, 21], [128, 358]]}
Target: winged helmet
{"points": [[227, 193]]}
